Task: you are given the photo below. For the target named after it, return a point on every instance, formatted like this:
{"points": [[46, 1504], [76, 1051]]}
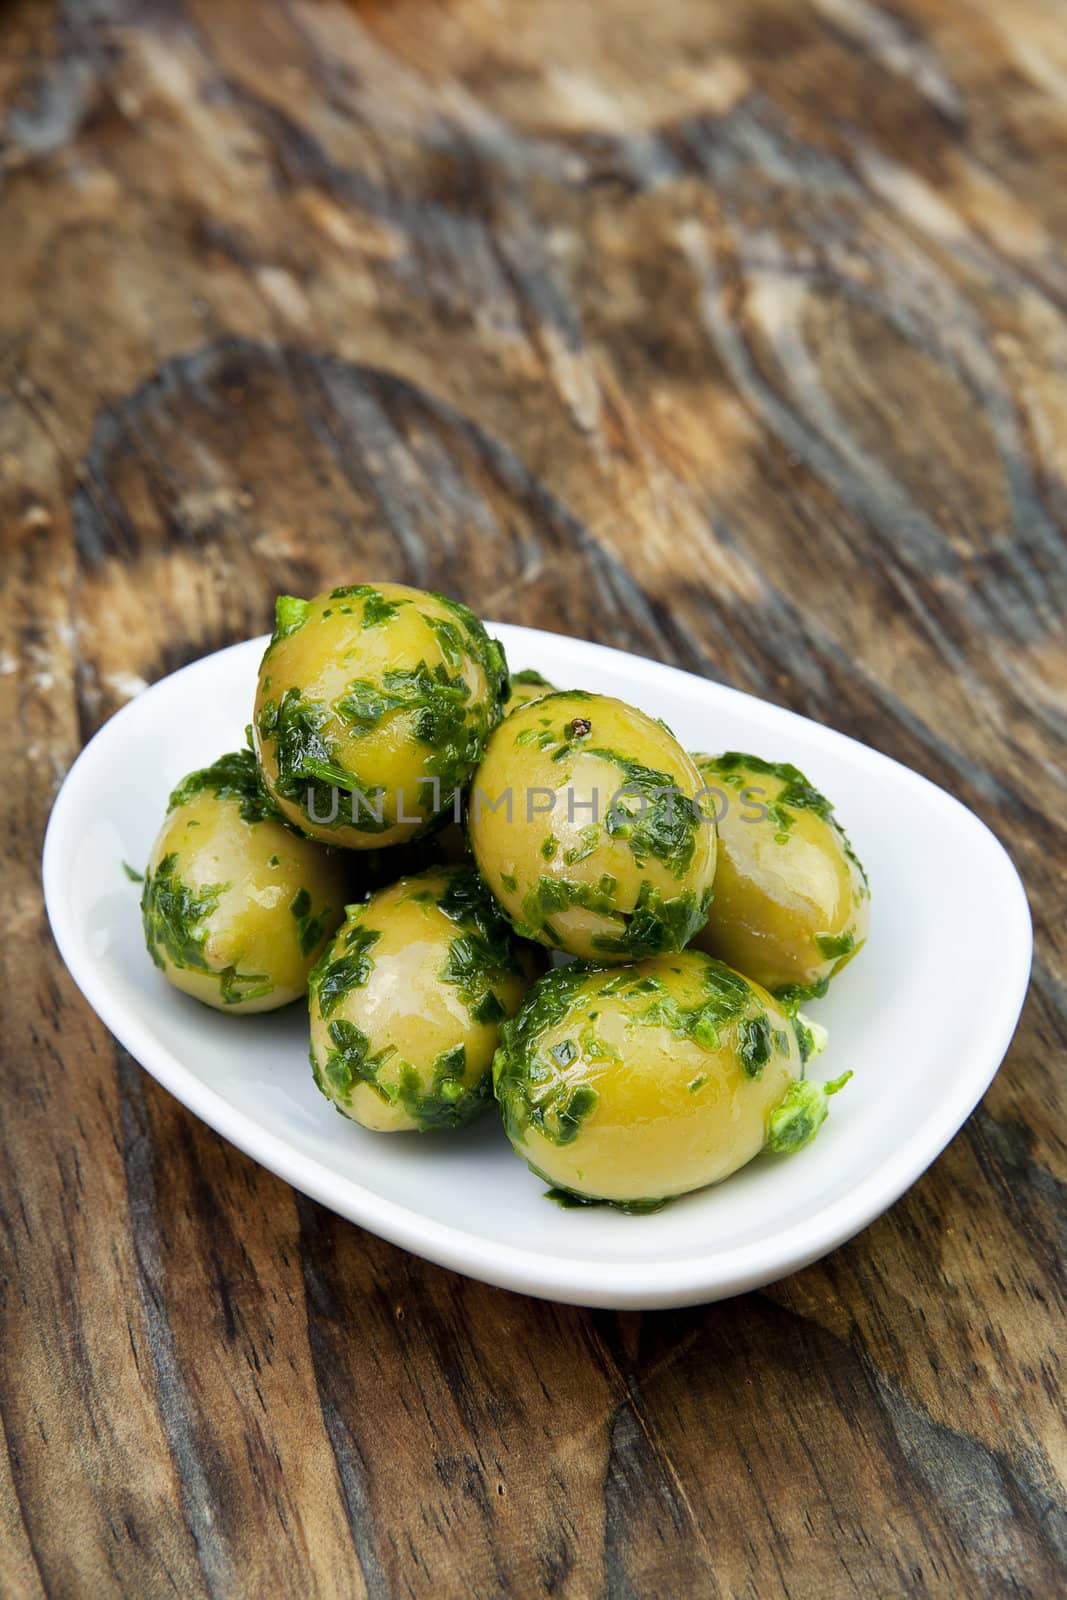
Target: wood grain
{"points": [[735, 335]]}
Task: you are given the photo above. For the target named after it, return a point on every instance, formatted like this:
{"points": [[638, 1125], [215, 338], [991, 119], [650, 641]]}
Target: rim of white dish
{"points": [[680, 1280]]}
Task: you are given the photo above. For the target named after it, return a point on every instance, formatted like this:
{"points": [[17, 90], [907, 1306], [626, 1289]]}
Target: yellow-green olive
{"points": [[372, 710], [791, 902], [236, 906], [583, 823], [636, 1084], [405, 1004], [527, 685]]}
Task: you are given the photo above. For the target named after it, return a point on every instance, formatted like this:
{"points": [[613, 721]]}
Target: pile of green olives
{"points": [[496, 891]]}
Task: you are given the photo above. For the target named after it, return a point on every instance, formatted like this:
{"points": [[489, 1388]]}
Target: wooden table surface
{"points": [[732, 334]]}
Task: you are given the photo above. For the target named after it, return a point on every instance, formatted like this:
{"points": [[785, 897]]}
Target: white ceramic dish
{"points": [[923, 1017]]}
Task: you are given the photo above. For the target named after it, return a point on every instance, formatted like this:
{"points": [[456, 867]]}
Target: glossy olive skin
{"points": [[525, 686], [236, 906], [636, 1084], [373, 706], [631, 878], [405, 1004], [791, 905]]}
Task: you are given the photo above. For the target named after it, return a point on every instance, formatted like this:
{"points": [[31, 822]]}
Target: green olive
{"points": [[636, 1084], [582, 821], [236, 906], [527, 685], [406, 1002], [791, 902], [372, 710]]}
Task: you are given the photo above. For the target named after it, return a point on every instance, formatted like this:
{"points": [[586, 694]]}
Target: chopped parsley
{"points": [[529, 675], [653, 815], [335, 976], [801, 1113], [482, 953], [754, 1041], [308, 772], [656, 925], [349, 1062], [531, 1092], [309, 929], [571, 1200], [446, 1102], [290, 614], [175, 917], [234, 776]]}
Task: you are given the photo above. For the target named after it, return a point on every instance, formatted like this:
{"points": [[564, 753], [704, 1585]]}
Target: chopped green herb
{"points": [[309, 929], [581, 1103], [754, 1045], [449, 639], [174, 915], [528, 675], [811, 1037], [308, 768], [447, 1102], [333, 977], [590, 838], [799, 1116], [488, 652], [132, 873], [482, 954], [348, 1063], [570, 1200], [726, 999], [529, 1095], [236, 987], [653, 815], [234, 776], [442, 717], [657, 925], [790, 996], [488, 1009], [290, 614]]}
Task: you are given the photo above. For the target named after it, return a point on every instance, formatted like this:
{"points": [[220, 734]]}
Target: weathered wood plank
{"points": [[733, 335]]}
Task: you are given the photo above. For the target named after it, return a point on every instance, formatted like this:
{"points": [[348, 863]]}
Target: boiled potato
{"points": [[527, 685], [372, 710], [581, 819], [791, 902], [405, 1004], [236, 906], [636, 1084]]}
